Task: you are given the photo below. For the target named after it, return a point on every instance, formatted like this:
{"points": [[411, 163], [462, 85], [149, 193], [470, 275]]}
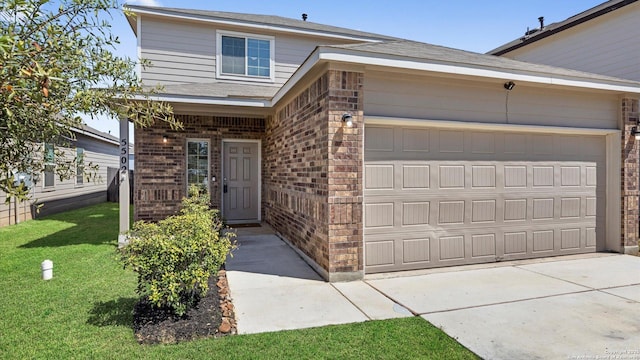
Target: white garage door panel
{"points": [[441, 197]]}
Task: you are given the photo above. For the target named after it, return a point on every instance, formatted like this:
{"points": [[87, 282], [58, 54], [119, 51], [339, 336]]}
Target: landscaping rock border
{"points": [[213, 316]]}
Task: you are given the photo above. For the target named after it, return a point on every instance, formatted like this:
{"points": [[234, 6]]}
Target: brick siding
{"points": [[629, 174], [313, 174], [160, 168]]}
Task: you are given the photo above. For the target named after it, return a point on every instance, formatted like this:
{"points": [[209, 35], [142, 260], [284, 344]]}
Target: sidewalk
{"points": [[274, 289]]}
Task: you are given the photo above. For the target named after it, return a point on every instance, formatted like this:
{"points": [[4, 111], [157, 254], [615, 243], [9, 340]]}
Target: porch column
{"points": [[630, 190], [123, 181], [346, 158]]}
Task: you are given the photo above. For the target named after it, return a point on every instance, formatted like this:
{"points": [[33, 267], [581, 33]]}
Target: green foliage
{"points": [[175, 257], [85, 312], [58, 61]]}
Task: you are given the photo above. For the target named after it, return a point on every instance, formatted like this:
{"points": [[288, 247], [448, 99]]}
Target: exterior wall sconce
{"points": [[635, 132], [165, 139], [509, 85], [347, 119]]}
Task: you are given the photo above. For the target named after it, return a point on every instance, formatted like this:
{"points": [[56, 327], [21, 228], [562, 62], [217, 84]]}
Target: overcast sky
{"points": [[473, 25]]}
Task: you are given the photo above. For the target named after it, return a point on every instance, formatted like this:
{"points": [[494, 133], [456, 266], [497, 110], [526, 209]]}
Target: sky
{"points": [[472, 25]]}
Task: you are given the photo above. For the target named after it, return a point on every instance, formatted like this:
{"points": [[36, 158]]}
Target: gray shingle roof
{"points": [[440, 54], [271, 20], [554, 28]]}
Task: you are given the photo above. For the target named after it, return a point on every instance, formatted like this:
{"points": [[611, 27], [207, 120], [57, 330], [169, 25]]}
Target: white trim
{"points": [[209, 150], [95, 136], [342, 55], [139, 46], [381, 120], [231, 140], [612, 208], [306, 66], [261, 27], [76, 184], [206, 100], [49, 188], [612, 161], [246, 77], [124, 197]]}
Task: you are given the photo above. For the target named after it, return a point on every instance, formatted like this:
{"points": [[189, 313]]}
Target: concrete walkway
{"points": [[274, 289], [584, 306]]}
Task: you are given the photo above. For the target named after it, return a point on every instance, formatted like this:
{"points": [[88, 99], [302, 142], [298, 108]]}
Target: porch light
{"points": [[347, 119], [635, 132], [165, 139], [509, 85]]}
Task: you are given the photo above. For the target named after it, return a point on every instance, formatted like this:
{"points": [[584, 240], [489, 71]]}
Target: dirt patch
{"points": [[212, 316]]}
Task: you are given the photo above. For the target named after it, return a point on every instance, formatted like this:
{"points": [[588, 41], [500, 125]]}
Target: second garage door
{"points": [[438, 197]]}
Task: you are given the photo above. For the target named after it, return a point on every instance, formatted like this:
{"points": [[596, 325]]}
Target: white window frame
{"points": [[220, 75], [81, 182], [46, 187], [186, 147]]}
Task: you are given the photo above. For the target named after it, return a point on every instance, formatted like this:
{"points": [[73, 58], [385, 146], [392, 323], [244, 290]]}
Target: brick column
{"points": [[630, 173], [345, 230]]}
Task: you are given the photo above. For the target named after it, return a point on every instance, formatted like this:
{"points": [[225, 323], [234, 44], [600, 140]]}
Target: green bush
{"points": [[175, 257]]}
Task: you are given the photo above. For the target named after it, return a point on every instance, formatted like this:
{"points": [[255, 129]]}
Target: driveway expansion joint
{"points": [[352, 303], [510, 301], [414, 313], [555, 278]]}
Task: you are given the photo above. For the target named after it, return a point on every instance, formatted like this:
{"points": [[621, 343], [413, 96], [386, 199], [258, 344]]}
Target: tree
{"points": [[58, 61]]}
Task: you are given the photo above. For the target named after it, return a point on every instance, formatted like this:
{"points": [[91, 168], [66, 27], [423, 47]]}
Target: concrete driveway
{"points": [[584, 307], [580, 307]]}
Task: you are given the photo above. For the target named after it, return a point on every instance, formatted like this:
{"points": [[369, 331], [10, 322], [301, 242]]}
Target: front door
{"points": [[241, 181]]}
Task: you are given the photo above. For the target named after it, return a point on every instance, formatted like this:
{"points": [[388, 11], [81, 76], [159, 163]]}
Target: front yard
{"points": [[85, 311]]}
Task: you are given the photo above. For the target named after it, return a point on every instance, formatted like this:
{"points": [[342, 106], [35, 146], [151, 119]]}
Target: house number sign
{"points": [[124, 155], [124, 149]]}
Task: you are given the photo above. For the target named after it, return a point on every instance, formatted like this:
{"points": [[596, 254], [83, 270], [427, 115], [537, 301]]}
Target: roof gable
{"points": [[551, 29], [441, 54], [272, 22]]}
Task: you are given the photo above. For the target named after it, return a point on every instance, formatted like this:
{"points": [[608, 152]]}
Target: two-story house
{"points": [[369, 153], [603, 40], [52, 195]]}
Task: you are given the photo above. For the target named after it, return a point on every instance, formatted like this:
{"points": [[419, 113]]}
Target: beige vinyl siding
{"points": [[454, 100], [184, 52], [178, 52], [290, 54], [609, 45], [62, 189]]}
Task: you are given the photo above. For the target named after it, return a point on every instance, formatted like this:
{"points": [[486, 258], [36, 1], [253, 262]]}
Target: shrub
{"points": [[175, 257]]}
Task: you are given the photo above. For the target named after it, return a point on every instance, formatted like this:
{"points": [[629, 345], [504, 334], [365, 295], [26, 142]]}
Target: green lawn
{"points": [[85, 311]]}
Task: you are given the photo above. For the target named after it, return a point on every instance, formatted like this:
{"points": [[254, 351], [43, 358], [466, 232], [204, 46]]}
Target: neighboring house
{"points": [[452, 157], [54, 196], [602, 40]]}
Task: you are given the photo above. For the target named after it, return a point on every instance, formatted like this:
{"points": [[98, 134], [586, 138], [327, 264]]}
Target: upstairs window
{"points": [[245, 56]]}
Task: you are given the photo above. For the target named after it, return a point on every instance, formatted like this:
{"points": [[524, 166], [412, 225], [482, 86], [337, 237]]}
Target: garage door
{"points": [[437, 197]]}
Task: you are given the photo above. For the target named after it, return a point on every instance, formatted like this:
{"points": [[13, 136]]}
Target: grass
{"points": [[85, 310]]}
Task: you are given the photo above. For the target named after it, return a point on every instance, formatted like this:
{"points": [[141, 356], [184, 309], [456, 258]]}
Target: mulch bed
{"points": [[213, 316]]}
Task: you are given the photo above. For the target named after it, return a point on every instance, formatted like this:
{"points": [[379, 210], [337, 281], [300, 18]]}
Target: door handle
{"points": [[224, 188]]}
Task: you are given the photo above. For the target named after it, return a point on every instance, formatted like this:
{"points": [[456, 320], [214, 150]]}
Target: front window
{"points": [[198, 163], [249, 56], [79, 166], [49, 165]]}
